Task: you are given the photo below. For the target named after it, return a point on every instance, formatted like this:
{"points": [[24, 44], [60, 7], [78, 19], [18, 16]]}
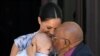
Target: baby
{"points": [[41, 45]]}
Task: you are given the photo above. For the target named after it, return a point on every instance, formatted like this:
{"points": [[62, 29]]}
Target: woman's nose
{"points": [[52, 32]]}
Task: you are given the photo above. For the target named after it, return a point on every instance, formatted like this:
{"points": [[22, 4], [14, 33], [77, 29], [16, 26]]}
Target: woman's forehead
{"points": [[53, 19], [53, 22]]}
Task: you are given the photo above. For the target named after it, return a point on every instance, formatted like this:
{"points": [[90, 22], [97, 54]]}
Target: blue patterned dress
{"points": [[22, 42]]}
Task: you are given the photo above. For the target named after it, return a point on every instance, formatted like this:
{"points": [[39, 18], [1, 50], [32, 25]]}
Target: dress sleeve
{"points": [[20, 42], [23, 41]]}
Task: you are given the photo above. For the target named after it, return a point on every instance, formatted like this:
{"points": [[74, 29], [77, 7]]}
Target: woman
{"points": [[49, 19]]}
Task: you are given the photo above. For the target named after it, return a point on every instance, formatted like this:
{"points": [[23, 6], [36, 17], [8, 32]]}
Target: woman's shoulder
{"points": [[23, 40], [25, 36]]}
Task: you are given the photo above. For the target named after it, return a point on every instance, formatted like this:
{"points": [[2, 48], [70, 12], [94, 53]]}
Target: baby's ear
{"points": [[31, 49], [33, 41]]}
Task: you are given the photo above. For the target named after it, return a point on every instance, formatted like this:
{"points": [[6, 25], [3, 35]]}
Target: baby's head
{"points": [[43, 43]]}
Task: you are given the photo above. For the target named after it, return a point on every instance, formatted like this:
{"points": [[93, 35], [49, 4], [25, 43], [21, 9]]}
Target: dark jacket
{"points": [[82, 50]]}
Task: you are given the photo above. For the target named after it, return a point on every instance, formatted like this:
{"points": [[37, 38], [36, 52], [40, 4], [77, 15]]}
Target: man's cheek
{"points": [[58, 44]]}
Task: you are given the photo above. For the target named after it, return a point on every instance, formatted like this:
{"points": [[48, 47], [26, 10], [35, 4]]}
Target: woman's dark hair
{"points": [[50, 10]]}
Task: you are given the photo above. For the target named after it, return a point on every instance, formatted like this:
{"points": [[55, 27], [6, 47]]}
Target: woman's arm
{"points": [[14, 50]]}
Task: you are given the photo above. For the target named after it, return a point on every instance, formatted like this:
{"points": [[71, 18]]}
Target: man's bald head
{"points": [[71, 31]]}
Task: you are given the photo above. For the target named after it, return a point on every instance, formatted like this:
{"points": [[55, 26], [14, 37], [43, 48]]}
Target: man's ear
{"points": [[39, 20]]}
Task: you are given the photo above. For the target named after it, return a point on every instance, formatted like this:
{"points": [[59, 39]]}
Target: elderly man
{"points": [[68, 40]]}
